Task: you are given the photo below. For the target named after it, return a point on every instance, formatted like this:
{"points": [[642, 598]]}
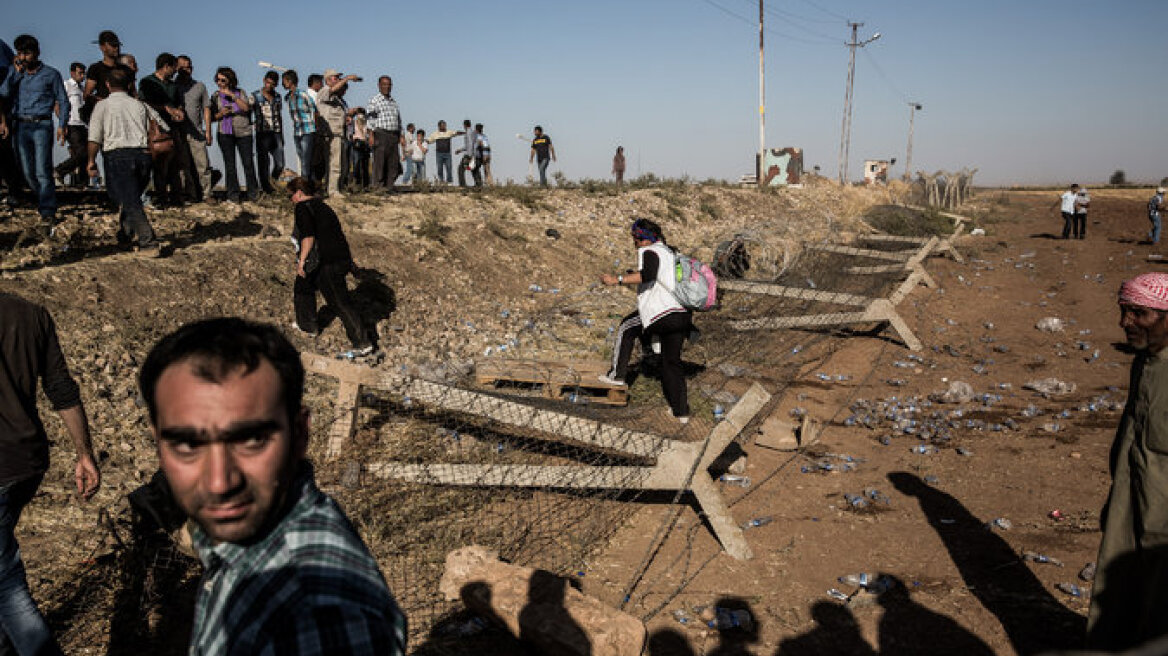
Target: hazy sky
{"points": [[1029, 91]]}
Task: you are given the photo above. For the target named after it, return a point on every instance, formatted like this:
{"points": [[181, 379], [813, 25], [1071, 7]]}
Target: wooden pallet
{"points": [[558, 379]]}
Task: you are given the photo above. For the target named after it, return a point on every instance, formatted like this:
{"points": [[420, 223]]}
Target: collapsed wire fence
{"points": [[544, 469]]}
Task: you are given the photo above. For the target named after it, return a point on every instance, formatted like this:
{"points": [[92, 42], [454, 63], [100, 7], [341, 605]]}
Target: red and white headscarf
{"points": [[1149, 290]]}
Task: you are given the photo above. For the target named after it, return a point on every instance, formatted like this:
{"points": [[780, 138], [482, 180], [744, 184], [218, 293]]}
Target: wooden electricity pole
{"points": [[761, 104], [846, 128]]}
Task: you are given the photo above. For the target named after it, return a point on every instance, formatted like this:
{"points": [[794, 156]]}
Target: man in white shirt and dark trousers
{"points": [[119, 129], [1067, 207], [76, 134]]}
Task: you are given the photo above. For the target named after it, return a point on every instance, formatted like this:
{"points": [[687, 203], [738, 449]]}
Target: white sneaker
{"points": [[605, 378]]}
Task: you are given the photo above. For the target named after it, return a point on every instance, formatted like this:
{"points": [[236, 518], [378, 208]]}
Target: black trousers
{"points": [[386, 162], [77, 137], [475, 172], [1068, 221], [1080, 226], [672, 330], [329, 280]]}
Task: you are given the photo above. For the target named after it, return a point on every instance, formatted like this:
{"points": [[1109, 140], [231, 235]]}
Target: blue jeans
{"points": [[34, 147], [21, 625], [409, 175], [126, 172], [1154, 235], [443, 161], [543, 164], [304, 144]]}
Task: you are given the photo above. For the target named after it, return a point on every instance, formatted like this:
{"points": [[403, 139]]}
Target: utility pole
{"points": [[846, 128], [913, 108], [761, 104]]}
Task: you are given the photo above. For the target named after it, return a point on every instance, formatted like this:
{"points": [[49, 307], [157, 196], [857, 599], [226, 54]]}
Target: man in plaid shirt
{"points": [[385, 119], [302, 110], [286, 573]]}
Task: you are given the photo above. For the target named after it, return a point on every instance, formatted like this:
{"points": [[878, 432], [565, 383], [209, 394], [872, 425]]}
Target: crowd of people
{"points": [[340, 146]]}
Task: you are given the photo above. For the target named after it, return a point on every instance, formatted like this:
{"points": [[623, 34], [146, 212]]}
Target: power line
{"points": [[827, 11], [789, 37], [889, 82]]}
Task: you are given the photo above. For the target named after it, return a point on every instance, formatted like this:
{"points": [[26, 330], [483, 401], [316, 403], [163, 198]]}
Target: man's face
{"points": [[269, 84], [111, 50], [77, 74], [185, 69], [287, 82], [385, 85], [538, 132], [26, 58], [168, 71], [441, 126], [1146, 329], [227, 448]]}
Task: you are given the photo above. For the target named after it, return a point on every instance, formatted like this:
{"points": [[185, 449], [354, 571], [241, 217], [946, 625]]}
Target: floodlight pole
{"points": [[761, 104], [846, 128], [913, 108]]}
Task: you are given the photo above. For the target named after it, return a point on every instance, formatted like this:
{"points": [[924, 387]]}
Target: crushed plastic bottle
{"points": [[1069, 588], [681, 616], [855, 501], [719, 412], [1002, 523], [757, 521], [1035, 557], [735, 479], [924, 449]]}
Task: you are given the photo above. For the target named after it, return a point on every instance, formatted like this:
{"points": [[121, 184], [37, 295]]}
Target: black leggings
{"points": [[672, 329]]}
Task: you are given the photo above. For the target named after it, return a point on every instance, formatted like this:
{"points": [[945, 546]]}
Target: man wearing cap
{"points": [[1155, 204], [1129, 601], [36, 92], [96, 88], [330, 104]]}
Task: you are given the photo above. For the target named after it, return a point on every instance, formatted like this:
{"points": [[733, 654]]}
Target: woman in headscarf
{"points": [[659, 320], [231, 110]]}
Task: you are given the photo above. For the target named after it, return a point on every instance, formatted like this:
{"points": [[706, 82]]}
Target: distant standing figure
{"points": [[416, 154], [411, 138], [196, 133], [31, 354], [483, 153], [543, 152], [231, 109], [160, 92], [618, 165], [385, 119], [331, 105], [658, 316], [1067, 207], [1129, 598], [302, 111], [442, 154], [77, 134], [467, 162], [1155, 204], [362, 139], [1082, 200], [323, 260], [269, 132]]}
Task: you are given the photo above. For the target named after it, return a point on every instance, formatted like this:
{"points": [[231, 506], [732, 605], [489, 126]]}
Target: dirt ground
{"points": [[438, 272]]}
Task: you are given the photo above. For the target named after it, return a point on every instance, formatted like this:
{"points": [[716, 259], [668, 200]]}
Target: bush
{"points": [[1118, 178]]}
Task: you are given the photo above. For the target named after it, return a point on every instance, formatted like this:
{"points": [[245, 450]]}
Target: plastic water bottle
{"points": [[735, 479], [681, 616], [860, 580], [758, 521], [719, 412]]}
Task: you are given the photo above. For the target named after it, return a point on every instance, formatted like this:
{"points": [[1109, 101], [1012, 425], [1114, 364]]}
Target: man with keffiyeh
{"points": [[1129, 601]]}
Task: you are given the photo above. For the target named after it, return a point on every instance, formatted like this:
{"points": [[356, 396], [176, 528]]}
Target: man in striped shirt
{"points": [[302, 110], [286, 572]]}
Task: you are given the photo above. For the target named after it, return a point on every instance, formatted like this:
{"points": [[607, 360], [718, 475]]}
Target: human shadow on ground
{"points": [[1032, 618], [906, 627], [374, 300], [1046, 235]]}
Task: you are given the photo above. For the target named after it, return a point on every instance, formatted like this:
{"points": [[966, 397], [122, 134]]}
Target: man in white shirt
{"points": [[1082, 200], [119, 129], [1067, 207], [76, 133]]}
